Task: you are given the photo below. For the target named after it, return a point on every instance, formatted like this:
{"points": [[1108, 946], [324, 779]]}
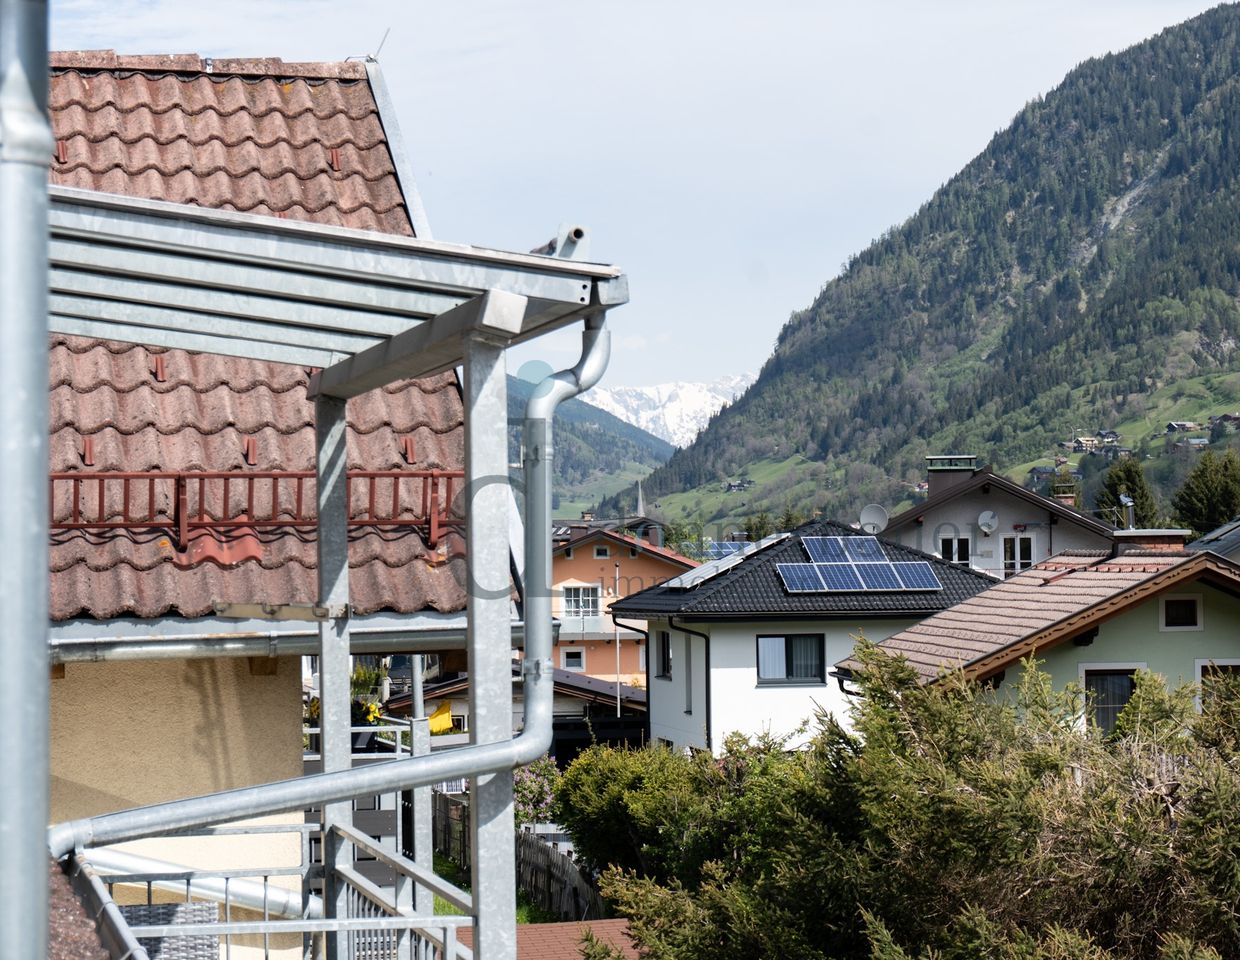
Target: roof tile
{"points": [[255, 136]]}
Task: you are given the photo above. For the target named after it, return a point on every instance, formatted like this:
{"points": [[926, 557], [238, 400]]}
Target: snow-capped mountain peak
{"points": [[676, 412]]}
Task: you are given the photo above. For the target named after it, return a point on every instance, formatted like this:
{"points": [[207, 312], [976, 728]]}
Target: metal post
{"points": [[423, 841], [336, 740], [25, 150], [490, 652]]}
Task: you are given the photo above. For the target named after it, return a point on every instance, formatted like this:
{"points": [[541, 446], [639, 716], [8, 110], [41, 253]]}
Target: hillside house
{"points": [[973, 516], [1091, 618], [742, 644]]}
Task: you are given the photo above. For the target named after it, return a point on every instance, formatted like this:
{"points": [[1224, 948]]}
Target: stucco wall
{"points": [[739, 704], [959, 519], [1134, 637], [131, 734]]}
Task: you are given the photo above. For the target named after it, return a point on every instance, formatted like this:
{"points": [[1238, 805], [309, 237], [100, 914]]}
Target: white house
{"points": [[977, 518], [744, 644]]}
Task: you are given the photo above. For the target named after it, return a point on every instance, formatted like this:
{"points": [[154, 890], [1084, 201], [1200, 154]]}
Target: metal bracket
{"points": [[316, 612]]}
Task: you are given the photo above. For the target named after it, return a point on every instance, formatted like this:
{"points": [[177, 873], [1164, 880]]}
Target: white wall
{"points": [[739, 704], [666, 698], [959, 519]]}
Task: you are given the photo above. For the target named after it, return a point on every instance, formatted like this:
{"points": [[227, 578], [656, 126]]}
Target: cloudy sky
{"points": [[730, 156]]}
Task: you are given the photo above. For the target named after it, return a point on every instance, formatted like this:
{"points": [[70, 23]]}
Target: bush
{"points": [[951, 823]]}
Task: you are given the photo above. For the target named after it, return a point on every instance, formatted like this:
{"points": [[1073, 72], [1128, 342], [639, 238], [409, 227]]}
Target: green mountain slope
{"points": [[597, 454], [1089, 257]]}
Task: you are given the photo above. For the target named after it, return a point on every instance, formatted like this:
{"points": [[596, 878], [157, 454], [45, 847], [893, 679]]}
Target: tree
{"points": [[1210, 495], [951, 824], [760, 526], [1126, 478]]}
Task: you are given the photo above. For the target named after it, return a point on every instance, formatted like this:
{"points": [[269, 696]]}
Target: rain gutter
{"points": [[537, 671]]}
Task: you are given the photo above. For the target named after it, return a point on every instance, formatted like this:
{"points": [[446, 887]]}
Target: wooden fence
{"points": [[549, 879]]}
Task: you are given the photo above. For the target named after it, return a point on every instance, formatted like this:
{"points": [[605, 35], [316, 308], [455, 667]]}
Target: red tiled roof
{"points": [[643, 546], [1040, 607], [263, 137], [301, 140], [562, 941]]}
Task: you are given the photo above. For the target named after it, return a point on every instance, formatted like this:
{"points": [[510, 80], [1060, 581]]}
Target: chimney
{"points": [[946, 471], [1163, 541]]}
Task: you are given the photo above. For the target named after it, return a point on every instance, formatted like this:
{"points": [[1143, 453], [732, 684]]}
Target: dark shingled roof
{"points": [[302, 141], [753, 588]]}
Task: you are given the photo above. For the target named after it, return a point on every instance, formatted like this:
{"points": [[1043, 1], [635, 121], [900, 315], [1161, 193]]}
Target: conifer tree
{"points": [[1126, 477], [1210, 495]]}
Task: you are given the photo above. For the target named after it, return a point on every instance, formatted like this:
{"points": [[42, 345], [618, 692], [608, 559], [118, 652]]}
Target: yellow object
{"points": [[441, 719]]}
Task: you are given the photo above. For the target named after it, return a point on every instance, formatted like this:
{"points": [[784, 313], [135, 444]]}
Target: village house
{"points": [[973, 516], [1091, 618], [742, 644], [589, 573]]}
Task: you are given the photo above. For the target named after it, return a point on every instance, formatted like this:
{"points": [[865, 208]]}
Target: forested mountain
{"points": [[595, 452], [1089, 256]]}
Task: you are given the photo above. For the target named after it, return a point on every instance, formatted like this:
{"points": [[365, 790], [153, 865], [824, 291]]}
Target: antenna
{"points": [[988, 522], [874, 519], [375, 55]]}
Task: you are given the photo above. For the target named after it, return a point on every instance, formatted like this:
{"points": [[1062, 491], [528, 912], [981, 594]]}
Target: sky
{"points": [[729, 156]]}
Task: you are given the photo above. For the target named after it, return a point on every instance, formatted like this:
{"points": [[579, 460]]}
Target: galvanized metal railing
{"points": [[248, 907], [180, 503]]}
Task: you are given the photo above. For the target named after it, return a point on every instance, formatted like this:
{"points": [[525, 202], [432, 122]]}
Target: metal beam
{"points": [[490, 665], [331, 462], [25, 146], [431, 347]]}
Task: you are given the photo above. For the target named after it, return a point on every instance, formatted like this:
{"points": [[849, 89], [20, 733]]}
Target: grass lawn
{"points": [[526, 911]]}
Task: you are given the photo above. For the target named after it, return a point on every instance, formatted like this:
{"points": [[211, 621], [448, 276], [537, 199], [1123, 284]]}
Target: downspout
{"points": [[529, 745], [672, 624], [645, 639], [25, 153]]}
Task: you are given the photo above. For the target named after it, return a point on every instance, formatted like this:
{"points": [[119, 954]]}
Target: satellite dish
{"points": [[874, 519], [988, 522]]}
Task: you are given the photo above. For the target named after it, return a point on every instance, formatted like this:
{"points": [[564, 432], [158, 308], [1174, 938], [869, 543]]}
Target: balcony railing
{"points": [[180, 504]]}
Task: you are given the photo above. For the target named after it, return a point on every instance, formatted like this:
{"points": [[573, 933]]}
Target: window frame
{"points": [[602, 551], [787, 681], [572, 609], [565, 651], [955, 543], [1018, 565], [1083, 668], [1197, 599], [1200, 665], [663, 656]]}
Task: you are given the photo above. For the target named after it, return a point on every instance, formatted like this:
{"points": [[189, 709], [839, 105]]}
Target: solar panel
{"points": [[824, 549], [800, 577], [864, 550], [839, 576], [878, 576], [917, 576], [715, 550]]}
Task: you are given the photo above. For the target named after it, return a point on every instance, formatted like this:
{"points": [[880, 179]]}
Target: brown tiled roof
{"points": [[1041, 607], [642, 546], [303, 141], [257, 136], [562, 941]]}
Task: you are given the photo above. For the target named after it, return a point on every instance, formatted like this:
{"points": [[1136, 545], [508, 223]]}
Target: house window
{"points": [[796, 658], [580, 602], [1017, 554], [663, 655], [632, 553], [1179, 613], [955, 550], [568, 553], [602, 553], [1107, 692], [573, 658], [1210, 672]]}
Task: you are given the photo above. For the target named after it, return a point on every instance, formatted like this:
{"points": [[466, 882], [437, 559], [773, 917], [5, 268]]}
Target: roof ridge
{"points": [[223, 67]]}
